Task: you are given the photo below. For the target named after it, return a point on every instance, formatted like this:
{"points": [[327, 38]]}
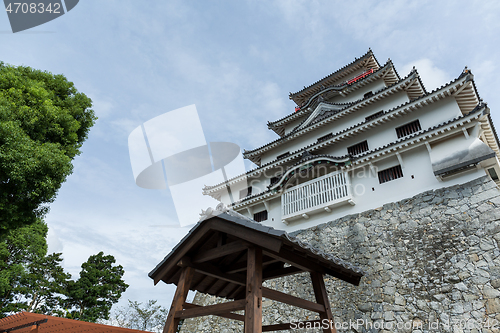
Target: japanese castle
{"points": [[362, 137]]}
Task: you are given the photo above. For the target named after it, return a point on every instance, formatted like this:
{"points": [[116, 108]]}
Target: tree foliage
{"points": [[32, 280], [19, 250], [44, 285], [149, 317], [100, 286], [44, 121]]}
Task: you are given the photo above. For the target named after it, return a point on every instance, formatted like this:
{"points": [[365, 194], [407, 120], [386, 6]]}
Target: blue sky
{"points": [[237, 61]]}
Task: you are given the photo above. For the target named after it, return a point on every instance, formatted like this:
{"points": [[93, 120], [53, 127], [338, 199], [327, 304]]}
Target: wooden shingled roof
{"points": [[27, 322], [216, 249]]}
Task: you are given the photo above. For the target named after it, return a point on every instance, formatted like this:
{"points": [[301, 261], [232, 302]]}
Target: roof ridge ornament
{"points": [[221, 208], [211, 212]]}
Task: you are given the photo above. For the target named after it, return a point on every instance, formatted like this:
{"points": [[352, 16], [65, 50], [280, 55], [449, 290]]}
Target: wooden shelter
{"points": [[229, 255]]}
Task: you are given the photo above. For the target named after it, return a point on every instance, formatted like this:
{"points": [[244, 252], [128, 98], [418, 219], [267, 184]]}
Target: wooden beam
{"points": [[181, 252], [292, 300], [220, 251], [242, 266], [310, 264], [235, 292], [288, 326], [216, 309], [292, 259], [228, 289], [228, 315], [213, 271], [252, 236], [179, 299], [253, 309], [322, 298], [276, 273], [204, 279]]}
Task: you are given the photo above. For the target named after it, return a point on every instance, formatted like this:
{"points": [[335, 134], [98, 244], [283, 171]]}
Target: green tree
{"points": [[31, 280], [149, 317], [100, 285], [44, 285], [19, 249], [44, 121]]}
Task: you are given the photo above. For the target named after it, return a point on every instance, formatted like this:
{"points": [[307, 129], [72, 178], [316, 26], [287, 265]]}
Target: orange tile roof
{"points": [[54, 324]]}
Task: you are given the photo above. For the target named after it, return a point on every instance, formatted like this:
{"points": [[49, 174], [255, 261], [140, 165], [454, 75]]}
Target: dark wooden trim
{"points": [[181, 252], [215, 309], [220, 251], [310, 264], [322, 298], [211, 270], [292, 300], [179, 299], [252, 236], [281, 272], [287, 326], [204, 279], [235, 292], [228, 315], [293, 259], [241, 266], [220, 289], [253, 309]]}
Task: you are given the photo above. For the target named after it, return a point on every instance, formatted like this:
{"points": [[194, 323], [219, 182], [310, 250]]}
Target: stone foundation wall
{"points": [[432, 264]]}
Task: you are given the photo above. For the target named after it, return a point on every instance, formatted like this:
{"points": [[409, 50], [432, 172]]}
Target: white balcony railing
{"points": [[319, 194]]}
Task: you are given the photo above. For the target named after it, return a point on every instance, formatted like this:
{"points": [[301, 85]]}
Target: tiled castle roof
{"points": [[356, 61]]}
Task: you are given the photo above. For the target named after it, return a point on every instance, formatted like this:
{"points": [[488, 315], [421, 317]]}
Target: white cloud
{"points": [[432, 76]]}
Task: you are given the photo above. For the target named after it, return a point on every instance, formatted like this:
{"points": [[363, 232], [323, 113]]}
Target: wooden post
{"points": [[179, 299], [322, 298], [253, 309]]}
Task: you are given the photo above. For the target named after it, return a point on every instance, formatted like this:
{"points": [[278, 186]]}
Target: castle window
{"points": [[246, 192], [375, 115], [358, 148], [260, 216], [325, 137], [387, 175], [279, 157], [368, 94], [493, 174], [408, 129], [274, 180]]}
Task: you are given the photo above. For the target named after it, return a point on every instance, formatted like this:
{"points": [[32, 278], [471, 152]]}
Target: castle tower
{"points": [[360, 138]]}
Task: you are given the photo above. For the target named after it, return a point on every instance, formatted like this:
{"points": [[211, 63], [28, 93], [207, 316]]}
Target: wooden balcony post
{"points": [[322, 298], [253, 309], [179, 299]]}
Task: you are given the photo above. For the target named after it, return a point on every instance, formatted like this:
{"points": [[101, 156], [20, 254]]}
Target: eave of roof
{"points": [[215, 220], [370, 155], [249, 153], [357, 61], [304, 111], [296, 154]]}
